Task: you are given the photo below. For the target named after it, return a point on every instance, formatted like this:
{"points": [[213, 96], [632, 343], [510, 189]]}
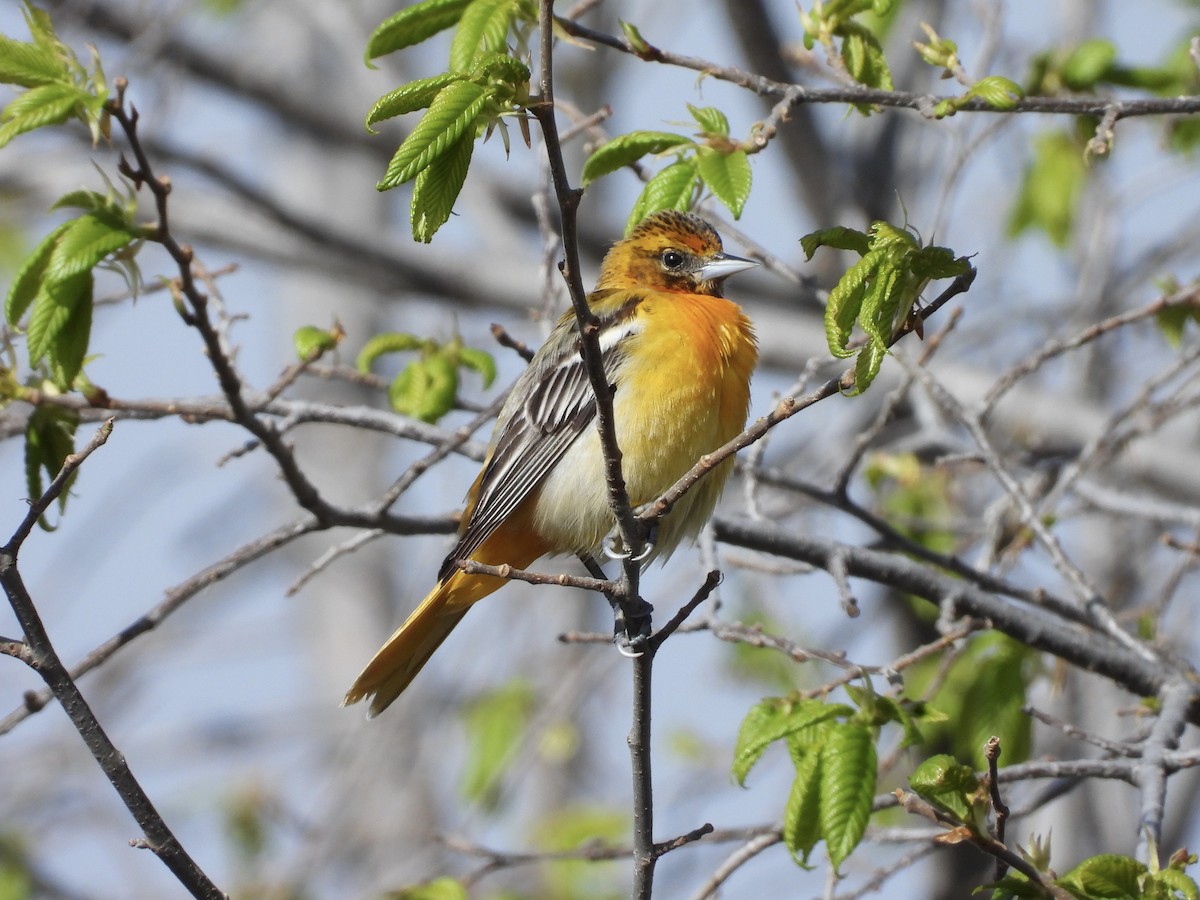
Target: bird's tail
{"points": [[406, 652]]}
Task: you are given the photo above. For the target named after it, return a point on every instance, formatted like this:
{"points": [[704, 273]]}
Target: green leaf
{"points": [[801, 815], [28, 283], [55, 305], [626, 149], [438, 186], [310, 341], [710, 119], [392, 342], [85, 243], [994, 699], [867, 366], [49, 440], [845, 302], [672, 188], [479, 361], [408, 98], [945, 782], [1088, 64], [727, 175], [414, 24], [1176, 885], [847, 778], [997, 92], [50, 104], [864, 57], [29, 65], [70, 345], [501, 68], [937, 262], [495, 724], [482, 29], [773, 719], [839, 238], [639, 44], [1050, 188], [425, 389], [1106, 876], [451, 115]]}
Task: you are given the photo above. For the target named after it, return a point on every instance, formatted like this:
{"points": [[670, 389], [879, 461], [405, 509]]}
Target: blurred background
{"points": [[228, 709]]}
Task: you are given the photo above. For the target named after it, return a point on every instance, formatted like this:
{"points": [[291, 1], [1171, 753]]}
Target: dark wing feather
{"points": [[559, 407]]}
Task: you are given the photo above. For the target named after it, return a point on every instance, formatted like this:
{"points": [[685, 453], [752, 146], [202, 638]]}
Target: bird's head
{"points": [[671, 251]]}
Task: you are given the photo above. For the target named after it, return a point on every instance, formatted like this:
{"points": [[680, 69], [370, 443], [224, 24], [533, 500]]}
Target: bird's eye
{"points": [[672, 259]]}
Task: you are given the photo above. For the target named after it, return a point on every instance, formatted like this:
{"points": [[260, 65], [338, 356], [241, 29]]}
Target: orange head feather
{"points": [[670, 251]]}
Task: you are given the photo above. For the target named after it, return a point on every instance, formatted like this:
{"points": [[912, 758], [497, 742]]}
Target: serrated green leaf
{"points": [[944, 781], [87, 240], [451, 115], [626, 149], [867, 365], [49, 440], [408, 98], [847, 779], [70, 345], [997, 92], [845, 301], [710, 119], [391, 342], [937, 262], [672, 188], [1107, 877], [773, 719], [1088, 64], [802, 814], [425, 389], [28, 283], [1050, 188], [495, 724], [92, 201], [414, 24], [1176, 884], [839, 238], [479, 361], [727, 175], [29, 65], [50, 104], [40, 26], [438, 186], [482, 29], [864, 57], [53, 306], [502, 68]]}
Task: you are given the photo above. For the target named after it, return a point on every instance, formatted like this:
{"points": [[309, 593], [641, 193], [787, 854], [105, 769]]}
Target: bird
{"points": [[679, 357]]}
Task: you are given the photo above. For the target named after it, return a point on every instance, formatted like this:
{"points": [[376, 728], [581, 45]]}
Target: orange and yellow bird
{"points": [[679, 356]]}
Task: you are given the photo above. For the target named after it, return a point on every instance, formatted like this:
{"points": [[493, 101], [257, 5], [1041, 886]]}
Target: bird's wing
{"points": [[559, 405]]}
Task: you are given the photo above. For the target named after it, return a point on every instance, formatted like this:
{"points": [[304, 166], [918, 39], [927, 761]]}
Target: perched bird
{"points": [[679, 356]]}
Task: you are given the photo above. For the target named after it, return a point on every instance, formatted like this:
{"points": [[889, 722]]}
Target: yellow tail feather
{"points": [[406, 652]]}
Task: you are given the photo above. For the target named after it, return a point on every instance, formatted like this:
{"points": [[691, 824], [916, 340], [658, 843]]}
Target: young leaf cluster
{"points": [[484, 83], [832, 24], [879, 291], [1109, 875], [54, 285], [57, 85], [427, 387], [832, 747], [712, 160]]}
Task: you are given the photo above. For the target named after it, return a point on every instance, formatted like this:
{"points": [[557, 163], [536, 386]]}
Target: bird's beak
{"points": [[720, 267]]}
